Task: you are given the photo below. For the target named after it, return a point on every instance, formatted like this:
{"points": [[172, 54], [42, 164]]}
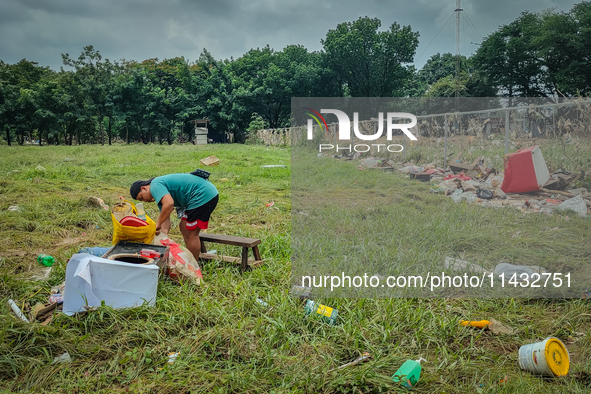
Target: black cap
{"points": [[136, 187]]}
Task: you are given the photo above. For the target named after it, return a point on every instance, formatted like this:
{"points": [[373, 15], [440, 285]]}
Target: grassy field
{"points": [[228, 342]]}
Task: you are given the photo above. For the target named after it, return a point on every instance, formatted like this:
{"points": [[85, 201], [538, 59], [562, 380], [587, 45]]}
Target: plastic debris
{"points": [[521, 272], [463, 265], [64, 358], [270, 204], [575, 204], [262, 303], [274, 166], [484, 194], [17, 311], [364, 357], [477, 324], [172, 357], [56, 299], [329, 315], [14, 208], [98, 202], [409, 373], [301, 292]]}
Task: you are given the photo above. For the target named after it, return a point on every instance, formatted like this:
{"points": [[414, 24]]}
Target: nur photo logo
{"points": [[344, 129]]}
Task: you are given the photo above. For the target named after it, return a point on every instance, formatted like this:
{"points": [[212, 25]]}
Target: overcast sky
{"points": [[41, 30]]}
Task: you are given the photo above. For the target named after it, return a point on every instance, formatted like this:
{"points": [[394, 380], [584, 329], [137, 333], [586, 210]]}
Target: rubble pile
{"points": [[480, 183]]}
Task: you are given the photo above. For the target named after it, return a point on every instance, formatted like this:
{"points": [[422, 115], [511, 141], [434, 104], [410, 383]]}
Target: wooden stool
{"points": [[245, 243]]}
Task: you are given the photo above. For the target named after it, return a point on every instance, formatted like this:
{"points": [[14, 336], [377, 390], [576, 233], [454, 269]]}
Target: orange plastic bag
{"points": [[144, 234]]}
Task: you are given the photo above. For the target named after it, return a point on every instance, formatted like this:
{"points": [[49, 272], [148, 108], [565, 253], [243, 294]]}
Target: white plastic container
{"points": [[548, 358]]}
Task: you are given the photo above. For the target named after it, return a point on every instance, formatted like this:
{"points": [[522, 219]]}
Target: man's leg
{"points": [[191, 238]]}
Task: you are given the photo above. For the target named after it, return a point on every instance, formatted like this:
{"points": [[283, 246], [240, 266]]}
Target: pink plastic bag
{"points": [[181, 263]]}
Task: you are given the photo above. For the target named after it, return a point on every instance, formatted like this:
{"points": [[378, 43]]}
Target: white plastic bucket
{"points": [[549, 358]]}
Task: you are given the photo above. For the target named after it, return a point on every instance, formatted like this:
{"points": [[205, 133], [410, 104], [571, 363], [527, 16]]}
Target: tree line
{"points": [[545, 54]]}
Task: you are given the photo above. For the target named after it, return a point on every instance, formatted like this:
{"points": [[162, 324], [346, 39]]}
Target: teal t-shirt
{"points": [[188, 191]]}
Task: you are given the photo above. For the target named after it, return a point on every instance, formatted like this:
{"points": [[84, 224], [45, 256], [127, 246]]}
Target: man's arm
{"points": [[167, 208]]}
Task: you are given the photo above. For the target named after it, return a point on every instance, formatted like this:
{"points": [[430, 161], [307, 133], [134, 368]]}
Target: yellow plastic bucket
{"points": [[549, 358]]}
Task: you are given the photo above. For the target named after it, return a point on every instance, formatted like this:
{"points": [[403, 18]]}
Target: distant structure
{"points": [[200, 131]]}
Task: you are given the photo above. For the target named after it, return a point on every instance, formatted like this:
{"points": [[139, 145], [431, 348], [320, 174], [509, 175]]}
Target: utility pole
{"points": [[458, 12]]}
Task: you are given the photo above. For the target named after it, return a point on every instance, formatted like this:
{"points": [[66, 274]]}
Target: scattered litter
{"points": [[172, 357], [460, 176], [520, 272], [494, 326], [463, 265], [45, 260], [40, 273], [17, 311], [468, 187], [92, 280], [364, 357], [578, 191], [64, 358], [411, 169], [497, 328], [548, 358], [459, 196], [274, 166], [409, 373], [14, 208], [35, 311], [213, 251], [329, 315], [40, 168], [484, 194], [210, 161], [98, 202], [270, 204], [478, 324], [262, 303], [181, 263], [525, 171], [56, 299], [575, 204], [301, 292]]}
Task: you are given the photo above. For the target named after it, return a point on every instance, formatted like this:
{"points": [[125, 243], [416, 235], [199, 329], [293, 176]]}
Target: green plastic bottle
{"points": [[409, 373], [45, 259]]}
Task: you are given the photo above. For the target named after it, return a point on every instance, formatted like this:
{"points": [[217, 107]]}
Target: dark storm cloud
{"points": [[42, 30]]}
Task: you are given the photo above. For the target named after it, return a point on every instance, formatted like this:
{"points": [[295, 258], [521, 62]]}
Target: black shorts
{"points": [[198, 217]]}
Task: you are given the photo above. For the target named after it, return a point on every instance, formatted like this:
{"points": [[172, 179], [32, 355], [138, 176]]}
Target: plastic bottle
{"points": [[141, 214], [328, 314], [45, 259], [409, 373]]}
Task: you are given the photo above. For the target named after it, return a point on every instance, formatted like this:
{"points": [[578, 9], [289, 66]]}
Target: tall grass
{"points": [[228, 342]]}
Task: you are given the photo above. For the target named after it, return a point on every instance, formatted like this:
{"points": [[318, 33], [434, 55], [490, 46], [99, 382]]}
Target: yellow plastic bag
{"points": [[144, 234]]}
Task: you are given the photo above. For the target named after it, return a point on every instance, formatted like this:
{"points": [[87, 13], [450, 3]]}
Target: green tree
{"points": [[371, 63]]}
